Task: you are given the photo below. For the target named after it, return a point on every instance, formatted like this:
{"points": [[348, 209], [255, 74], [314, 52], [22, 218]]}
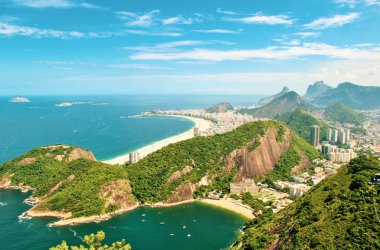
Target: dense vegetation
{"points": [[94, 242], [300, 122], [341, 212], [206, 154], [287, 102], [79, 181], [339, 112]]}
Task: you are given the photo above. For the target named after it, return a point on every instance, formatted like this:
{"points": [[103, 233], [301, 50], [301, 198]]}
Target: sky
{"points": [[53, 47]]}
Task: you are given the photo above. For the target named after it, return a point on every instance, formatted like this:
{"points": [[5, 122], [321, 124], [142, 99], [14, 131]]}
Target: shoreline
{"points": [[200, 123], [231, 205]]}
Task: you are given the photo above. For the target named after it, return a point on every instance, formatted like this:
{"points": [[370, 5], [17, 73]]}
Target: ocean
{"points": [[104, 125]]}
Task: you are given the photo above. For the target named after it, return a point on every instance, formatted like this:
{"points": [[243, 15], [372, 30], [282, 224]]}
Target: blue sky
{"points": [[179, 47]]}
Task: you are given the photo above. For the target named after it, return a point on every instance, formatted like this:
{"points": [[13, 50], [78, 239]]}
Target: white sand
{"points": [[202, 124], [232, 205]]}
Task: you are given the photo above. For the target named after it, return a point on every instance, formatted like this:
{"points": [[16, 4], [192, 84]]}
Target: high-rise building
{"points": [[134, 157], [335, 135], [342, 136], [329, 134], [348, 135], [314, 135]]}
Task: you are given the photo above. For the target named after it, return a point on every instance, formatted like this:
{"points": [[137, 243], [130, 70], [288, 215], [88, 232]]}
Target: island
{"points": [[19, 99]]}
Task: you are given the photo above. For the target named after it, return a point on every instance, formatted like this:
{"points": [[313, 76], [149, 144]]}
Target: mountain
{"points": [[220, 108], [339, 112], [354, 96], [287, 102], [341, 212], [68, 183], [316, 89], [300, 122], [266, 100]]}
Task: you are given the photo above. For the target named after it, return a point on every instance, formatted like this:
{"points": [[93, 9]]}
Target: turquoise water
{"points": [[108, 132], [210, 227]]}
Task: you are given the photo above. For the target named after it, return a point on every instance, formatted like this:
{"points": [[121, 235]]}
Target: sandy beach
{"points": [[202, 124], [232, 205]]}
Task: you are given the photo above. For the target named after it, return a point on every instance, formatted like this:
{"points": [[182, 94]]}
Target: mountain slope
{"points": [[316, 89], [268, 99], [339, 112], [341, 212], [300, 122], [354, 96], [288, 102]]}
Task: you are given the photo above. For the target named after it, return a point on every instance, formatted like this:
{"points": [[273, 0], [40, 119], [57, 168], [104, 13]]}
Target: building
{"points": [[134, 157], [297, 190], [314, 135], [329, 134], [341, 155], [335, 136], [348, 135], [197, 132], [328, 148], [247, 185], [342, 136]]}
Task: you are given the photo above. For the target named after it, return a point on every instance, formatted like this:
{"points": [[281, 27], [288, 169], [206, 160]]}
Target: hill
{"points": [[354, 96], [341, 212], [300, 122], [339, 112], [68, 183], [220, 108], [288, 102], [316, 89], [268, 99]]}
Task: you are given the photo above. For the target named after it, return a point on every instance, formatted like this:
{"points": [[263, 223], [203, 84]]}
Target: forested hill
{"points": [[339, 112], [341, 212]]}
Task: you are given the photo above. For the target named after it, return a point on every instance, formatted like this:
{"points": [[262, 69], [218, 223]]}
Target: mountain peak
{"points": [[316, 89]]}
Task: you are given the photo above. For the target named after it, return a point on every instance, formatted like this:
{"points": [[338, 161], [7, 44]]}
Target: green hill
{"points": [[341, 212], [300, 121], [220, 108], [354, 96], [339, 112], [268, 99], [287, 102]]}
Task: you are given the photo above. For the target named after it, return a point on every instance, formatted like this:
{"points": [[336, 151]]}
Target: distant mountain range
{"points": [[354, 96], [316, 89], [267, 100], [286, 102], [220, 108]]}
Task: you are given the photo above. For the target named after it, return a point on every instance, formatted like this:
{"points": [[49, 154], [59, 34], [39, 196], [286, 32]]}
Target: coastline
{"points": [[231, 205], [202, 124]]}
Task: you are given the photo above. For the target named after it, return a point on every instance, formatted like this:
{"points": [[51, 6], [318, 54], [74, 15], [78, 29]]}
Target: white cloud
{"points": [[262, 19], [140, 20], [226, 12], [349, 3], [284, 52], [54, 4], [330, 22], [139, 67], [152, 33], [307, 34], [177, 20], [372, 2], [219, 31]]}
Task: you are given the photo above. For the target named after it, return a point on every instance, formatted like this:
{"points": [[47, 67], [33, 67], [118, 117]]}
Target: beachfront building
{"points": [[197, 132], [247, 185], [134, 157], [314, 135]]}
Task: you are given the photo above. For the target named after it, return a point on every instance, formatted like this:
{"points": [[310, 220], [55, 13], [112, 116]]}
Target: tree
{"points": [[94, 242]]}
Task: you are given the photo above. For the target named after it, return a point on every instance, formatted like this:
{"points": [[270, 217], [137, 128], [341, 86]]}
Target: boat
{"points": [[162, 223]]}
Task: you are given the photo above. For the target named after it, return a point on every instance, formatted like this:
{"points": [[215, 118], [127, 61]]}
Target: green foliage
{"points": [[300, 121], [341, 212], [339, 112], [149, 176], [280, 134], [94, 242], [359, 131], [253, 202]]}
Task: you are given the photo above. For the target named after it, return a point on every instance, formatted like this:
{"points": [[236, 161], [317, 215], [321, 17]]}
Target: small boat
{"points": [[184, 227], [143, 215], [162, 223], [171, 234], [143, 220], [189, 235]]}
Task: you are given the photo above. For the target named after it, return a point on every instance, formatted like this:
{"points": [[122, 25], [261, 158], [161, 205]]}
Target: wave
{"points": [[75, 234]]}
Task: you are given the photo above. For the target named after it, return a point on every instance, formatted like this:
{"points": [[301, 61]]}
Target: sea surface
{"points": [[104, 125]]}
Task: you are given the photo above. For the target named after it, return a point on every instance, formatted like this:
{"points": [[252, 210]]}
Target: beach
{"points": [[201, 124], [232, 205]]}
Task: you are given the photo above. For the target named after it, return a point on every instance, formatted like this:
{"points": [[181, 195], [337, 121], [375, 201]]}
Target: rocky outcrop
{"points": [[178, 174], [27, 161], [77, 153], [261, 160], [184, 192], [119, 194]]}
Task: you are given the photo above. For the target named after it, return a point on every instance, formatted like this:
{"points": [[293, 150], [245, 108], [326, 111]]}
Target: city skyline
{"points": [[217, 47]]}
